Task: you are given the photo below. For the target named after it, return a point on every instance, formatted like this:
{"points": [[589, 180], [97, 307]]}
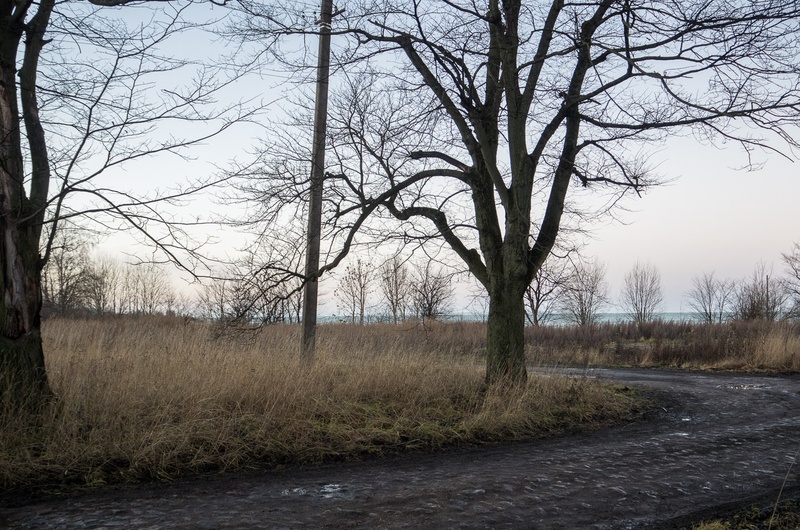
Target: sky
{"points": [[708, 217], [711, 217]]}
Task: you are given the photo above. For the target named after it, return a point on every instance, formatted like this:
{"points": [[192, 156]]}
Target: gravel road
{"points": [[718, 441]]}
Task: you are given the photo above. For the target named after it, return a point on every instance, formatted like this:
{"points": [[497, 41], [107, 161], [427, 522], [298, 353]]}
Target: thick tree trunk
{"points": [[21, 356], [505, 341], [22, 369], [24, 380]]}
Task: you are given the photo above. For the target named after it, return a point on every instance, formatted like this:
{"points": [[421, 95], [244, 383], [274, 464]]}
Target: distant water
{"points": [[556, 319], [559, 319]]}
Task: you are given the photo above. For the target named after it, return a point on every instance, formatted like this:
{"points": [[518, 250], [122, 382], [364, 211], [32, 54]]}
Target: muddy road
{"points": [[717, 441]]}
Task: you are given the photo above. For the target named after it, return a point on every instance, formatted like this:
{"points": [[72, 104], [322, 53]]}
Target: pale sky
{"points": [[710, 217]]}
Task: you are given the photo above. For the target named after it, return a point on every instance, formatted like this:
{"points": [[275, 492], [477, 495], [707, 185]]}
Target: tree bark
{"points": [[22, 368], [505, 335], [24, 379]]}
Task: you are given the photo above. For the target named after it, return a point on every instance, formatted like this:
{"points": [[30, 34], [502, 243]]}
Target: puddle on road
{"points": [[330, 491], [327, 491], [745, 386], [294, 491]]}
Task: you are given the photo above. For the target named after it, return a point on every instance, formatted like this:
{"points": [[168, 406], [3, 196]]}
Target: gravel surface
{"points": [[718, 441]]}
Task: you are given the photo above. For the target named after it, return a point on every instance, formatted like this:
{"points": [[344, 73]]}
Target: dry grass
{"points": [[748, 346], [152, 398], [785, 517]]}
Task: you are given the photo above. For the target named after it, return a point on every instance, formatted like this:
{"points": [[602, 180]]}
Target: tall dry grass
{"points": [[746, 345], [154, 398]]}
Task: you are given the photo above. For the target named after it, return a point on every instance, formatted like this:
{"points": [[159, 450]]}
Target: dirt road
{"points": [[719, 440]]}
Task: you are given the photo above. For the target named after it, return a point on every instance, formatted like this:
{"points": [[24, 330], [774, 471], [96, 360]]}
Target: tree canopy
{"points": [[469, 123]]}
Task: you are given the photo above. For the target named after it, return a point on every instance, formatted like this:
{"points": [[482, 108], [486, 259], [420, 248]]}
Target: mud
{"points": [[717, 441]]}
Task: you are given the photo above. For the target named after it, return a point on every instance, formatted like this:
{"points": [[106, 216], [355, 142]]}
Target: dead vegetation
{"points": [[149, 398], [740, 345]]}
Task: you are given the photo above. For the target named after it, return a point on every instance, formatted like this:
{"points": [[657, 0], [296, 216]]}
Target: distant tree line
{"points": [[407, 290], [76, 283], [399, 289], [577, 290], [73, 283]]}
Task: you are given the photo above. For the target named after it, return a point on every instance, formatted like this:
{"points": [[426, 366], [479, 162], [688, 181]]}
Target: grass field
{"points": [[147, 398], [746, 345]]}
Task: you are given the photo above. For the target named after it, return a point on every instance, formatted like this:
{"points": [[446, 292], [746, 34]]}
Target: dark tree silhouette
{"points": [[76, 100], [470, 123]]}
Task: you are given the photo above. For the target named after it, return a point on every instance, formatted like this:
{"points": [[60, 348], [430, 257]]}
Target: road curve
{"points": [[718, 440]]}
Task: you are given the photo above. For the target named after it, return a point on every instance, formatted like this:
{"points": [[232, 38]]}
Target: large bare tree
{"points": [[471, 122], [82, 92]]}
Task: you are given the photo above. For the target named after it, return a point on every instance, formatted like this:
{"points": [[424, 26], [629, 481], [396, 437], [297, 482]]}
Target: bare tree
{"points": [[129, 297], [585, 292], [230, 301], [469, 124], [103, 285], [213, 299], [711, 297], [761, 297], [65, 277], [792, 261], [396, 287], [82, 91], [354, 289], [177, 304], [289, 301], [545, 289], [431, 292], [260, 288], [152, 286], [642, 293]]}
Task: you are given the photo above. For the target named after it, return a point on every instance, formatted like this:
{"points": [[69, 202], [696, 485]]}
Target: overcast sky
{"points": [[710, 216]]}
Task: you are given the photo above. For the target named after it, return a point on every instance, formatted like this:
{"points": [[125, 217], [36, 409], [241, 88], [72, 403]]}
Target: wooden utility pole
{"points": [[311, 289]]}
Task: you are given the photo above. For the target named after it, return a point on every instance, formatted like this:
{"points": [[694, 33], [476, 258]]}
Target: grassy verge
{"points": [[786, 517], [155, 398], [751, 346]]}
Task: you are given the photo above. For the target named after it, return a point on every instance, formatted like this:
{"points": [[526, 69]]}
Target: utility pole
{"points": [[311, 288]]}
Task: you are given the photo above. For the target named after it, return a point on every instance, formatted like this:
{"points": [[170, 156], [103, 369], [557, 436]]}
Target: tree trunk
{"points": [[24, 380], [22, 369], [505, 340]]}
